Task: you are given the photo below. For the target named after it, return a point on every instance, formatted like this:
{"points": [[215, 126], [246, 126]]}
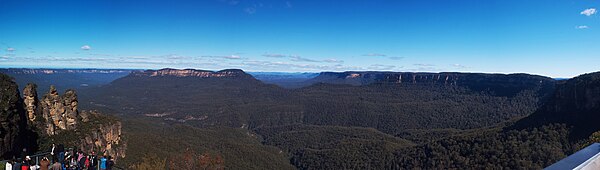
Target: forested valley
{"points": [[434, 121]]}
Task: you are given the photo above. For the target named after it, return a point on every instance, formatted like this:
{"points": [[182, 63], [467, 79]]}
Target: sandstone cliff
{"points": [[576, 103], [498, 84], [59, 111], [12, 117], [30, 100], [101, 133], [56, 119], [63, 123], [192, 73]]}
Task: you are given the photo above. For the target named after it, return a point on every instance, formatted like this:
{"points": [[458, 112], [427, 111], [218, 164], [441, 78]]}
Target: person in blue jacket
{"points": [[103, 163]]}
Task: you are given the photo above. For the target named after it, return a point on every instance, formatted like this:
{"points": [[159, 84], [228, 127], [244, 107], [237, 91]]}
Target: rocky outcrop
{"points": [[192, 73], [59, 112], [102, 132], [30, 100], [53, 114], [12, 117]]}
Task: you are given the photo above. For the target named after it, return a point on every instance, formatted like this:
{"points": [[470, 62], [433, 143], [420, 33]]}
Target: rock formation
{"points": [[102, 132], [53, 114], [30, 100], [59, 112], [12, 117]]}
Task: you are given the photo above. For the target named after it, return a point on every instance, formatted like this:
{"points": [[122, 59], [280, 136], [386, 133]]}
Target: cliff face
{"points": [[192, 73], [30, 100], [580, 94], [499, 84], [63, 123], [101, 132], [12, 117], [59, 112], [576, 102]]}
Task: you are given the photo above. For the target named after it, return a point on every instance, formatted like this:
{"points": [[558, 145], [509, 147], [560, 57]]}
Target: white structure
{"points": [[585, 159]]}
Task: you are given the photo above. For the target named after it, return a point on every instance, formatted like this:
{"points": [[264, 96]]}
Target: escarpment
{"points": [[498, 84], [12, 117], [101, 132], [575, 102], [192, 73]]}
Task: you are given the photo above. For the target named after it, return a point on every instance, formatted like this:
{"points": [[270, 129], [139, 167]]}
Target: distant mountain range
{"points": [[64, 79]]}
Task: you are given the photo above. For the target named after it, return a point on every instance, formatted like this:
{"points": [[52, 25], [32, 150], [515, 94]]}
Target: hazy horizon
{"points": [[298, 72]]}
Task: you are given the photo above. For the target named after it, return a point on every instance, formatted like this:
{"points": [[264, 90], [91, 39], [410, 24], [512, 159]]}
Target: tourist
{"points": [[93, 160], [73, 163], [60, 149], [32, 165], [25, 164], [44, 164], [110, 163], [8, 165], [81, 160], [87, 162], [56, 165], [103, 163], [17, 165]]}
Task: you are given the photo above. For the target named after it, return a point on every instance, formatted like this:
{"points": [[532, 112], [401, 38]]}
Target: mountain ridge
{"points": [[192, 73]]}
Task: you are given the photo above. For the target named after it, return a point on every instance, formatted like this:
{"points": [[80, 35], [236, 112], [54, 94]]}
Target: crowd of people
{"points": [[61, 159]]}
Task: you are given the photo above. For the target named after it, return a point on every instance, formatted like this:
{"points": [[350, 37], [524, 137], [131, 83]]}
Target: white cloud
{"points": [[333, 61], [10, 49], [86, 47], [234, 57], [424, 65], [374, 55], [250, 10], [274, 55], [582, 27], [298, 58], [302, 59], [459, 66], [269, 65], [589, 12], [381, 67]]}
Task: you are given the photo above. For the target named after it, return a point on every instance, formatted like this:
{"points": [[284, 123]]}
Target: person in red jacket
{"points": [[25, 165], [87, 162]]}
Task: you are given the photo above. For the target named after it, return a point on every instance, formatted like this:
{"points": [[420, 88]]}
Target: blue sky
{"points": [[556, 38]]}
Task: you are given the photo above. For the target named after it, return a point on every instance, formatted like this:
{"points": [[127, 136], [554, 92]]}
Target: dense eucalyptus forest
{"points": [[434, 121]]}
